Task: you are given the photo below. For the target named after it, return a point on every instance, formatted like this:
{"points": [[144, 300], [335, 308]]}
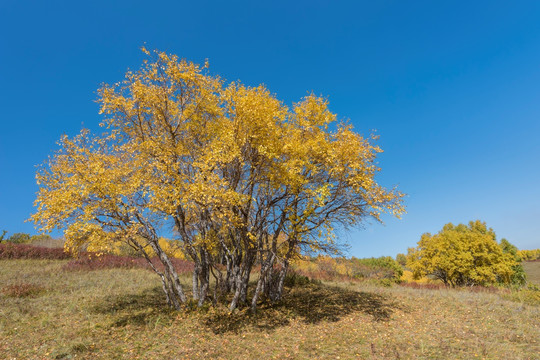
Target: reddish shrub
{"points": [[91, 261], [22, 251], [182, 266], [22, 290], [86, 260]]}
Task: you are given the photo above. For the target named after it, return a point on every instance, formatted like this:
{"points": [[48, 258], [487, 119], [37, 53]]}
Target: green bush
{"points": [[518, 277], [386, 282], [529, 295], [42, 240], [401, 259], [293, 279], [384, 267], [19, 238]]}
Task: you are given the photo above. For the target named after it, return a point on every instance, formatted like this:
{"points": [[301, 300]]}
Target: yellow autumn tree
{"points": [[241, 179], [462, 255]]}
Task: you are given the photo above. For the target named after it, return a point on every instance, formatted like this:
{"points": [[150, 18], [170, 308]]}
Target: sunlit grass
{"points": [[121, 313], [532, 268]]}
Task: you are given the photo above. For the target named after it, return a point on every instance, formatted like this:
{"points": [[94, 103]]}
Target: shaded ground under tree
{"points": [[310, 303]]}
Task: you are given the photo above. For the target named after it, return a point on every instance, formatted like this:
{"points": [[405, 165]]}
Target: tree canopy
{"points": [[19, 238], [519, 277], [463, 255], [236, 176]]}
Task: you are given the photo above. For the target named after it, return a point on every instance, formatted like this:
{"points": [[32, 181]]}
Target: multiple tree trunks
{"points": [[235, 281], [231, 273], [244, 180]]}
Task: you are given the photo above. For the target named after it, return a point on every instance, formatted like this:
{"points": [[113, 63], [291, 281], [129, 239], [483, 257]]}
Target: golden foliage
{"points": [[529, 254], [462, 255], [183, 149]]}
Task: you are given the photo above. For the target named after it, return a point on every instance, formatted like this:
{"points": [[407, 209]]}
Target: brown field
{"points": [[47, 312]]}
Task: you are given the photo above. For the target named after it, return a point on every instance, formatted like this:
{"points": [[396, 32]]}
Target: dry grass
{"points": [[532, 268], [22, 290], [121, 314]]}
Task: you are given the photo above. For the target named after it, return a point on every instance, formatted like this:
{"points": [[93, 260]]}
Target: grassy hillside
{"points": [[47, 312], [532, 269]]}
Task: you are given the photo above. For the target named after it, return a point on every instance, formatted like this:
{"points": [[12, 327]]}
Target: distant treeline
{"points": [[384, 269], [37, 240], [528, 255]]}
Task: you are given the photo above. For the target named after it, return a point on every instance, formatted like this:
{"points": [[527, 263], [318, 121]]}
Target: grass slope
{"points": [[46, 312], [532, 269]]}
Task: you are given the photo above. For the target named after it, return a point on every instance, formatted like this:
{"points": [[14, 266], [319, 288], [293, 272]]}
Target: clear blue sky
{"points": [[452, 88]]}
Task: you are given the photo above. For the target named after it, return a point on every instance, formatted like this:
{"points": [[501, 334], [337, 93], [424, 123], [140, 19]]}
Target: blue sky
{"points": [[452, 88]]}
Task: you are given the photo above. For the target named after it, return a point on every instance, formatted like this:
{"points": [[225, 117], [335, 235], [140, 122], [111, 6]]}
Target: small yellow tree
{"points": [[462, 255], [241, 178]]}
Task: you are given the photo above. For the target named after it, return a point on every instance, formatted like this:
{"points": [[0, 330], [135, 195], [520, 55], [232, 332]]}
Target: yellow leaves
{"points": [[80, 234], [313, 111], [170, 247], [179, 141], [461, 255], [529, 254], [144, 50]]}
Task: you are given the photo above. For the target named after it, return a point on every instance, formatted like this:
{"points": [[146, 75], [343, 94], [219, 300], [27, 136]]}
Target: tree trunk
{"points": [[204, 276], [170, 272], [268, 264], [275, 282], [196, 271], [281, 281], [166, 284], [242, 281]]}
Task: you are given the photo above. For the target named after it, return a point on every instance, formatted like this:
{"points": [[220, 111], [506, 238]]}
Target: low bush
{"points": [[22, 290], [343, 269], [46, 241], [528, 255], [294, 279], [385, 282], [85, 260], [19, 238], [93, 261], [384, 267], [529, 295], [23, 251]]}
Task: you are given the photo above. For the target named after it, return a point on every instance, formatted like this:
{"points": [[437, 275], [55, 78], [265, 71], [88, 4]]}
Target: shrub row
{"points": [[529, 255], [86, 260], [22, 251], [93, 261], [384, 267], [340, 269]]}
